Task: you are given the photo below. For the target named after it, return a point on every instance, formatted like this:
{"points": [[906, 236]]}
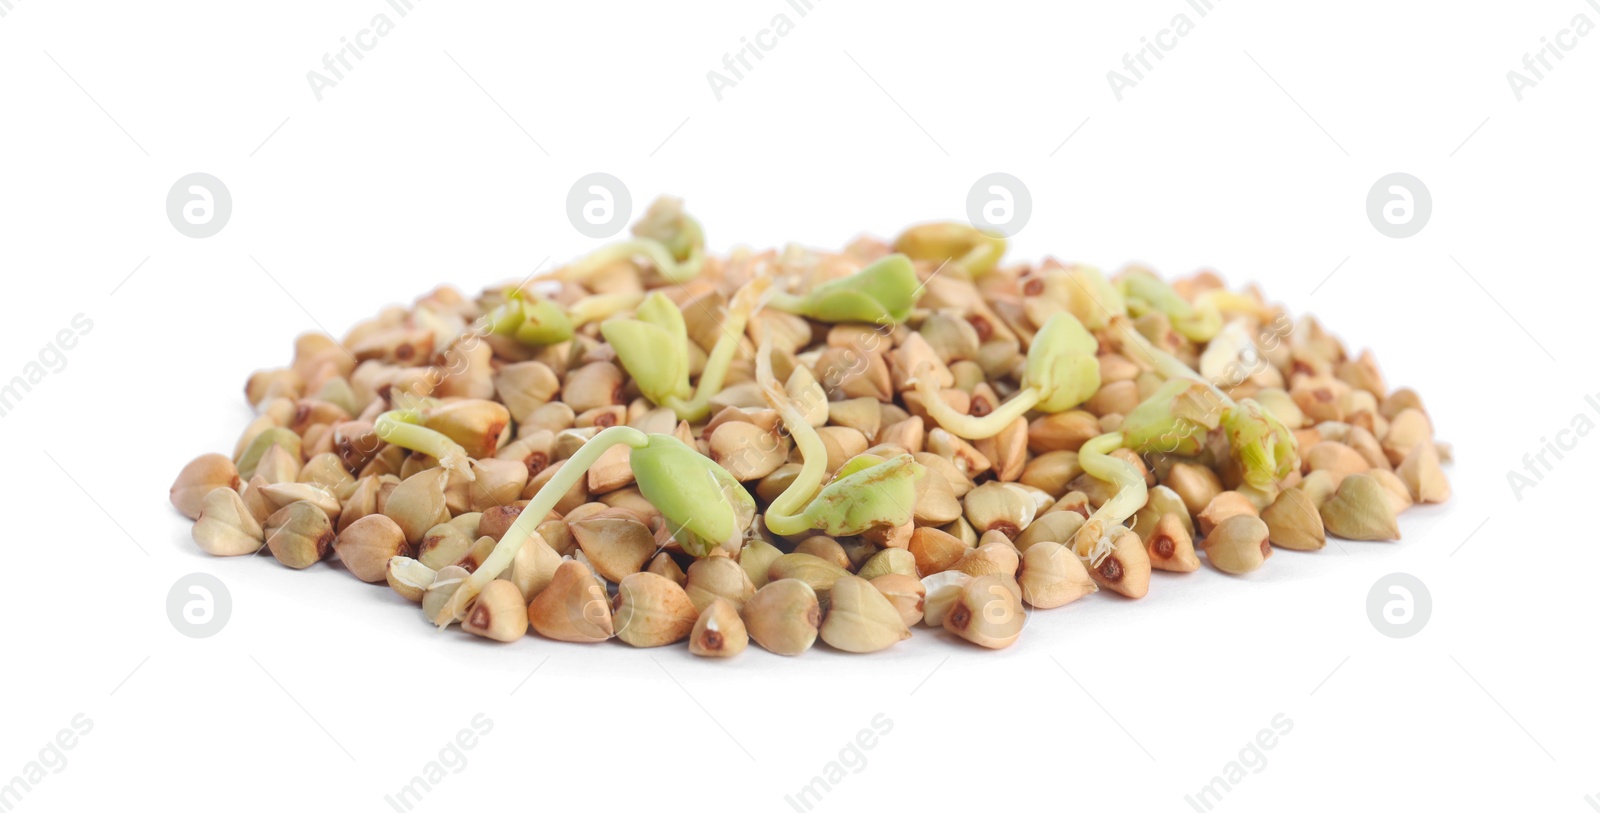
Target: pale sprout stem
{"points": [[654, 251], [533, 514], [403, 428], [716, 369], [969, 426], [782, 516], [1093, 540]]}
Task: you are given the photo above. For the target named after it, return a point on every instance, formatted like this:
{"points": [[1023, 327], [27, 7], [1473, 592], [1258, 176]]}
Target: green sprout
{"points": [[883, 293], [954, 243], [867, 492], [1262, 446], [667, 237], [701, 503], [704, 506], [1198, 322], [1061, 372], [1093, 541], [404, 428], [1173, 420], [654, 348], [530, 319]]}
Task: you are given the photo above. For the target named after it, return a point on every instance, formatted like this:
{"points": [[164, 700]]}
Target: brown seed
{"points": [[533, 567], [1051, 471], [1052, 575], [617, 547], [887, 561], [946, 469], [226, 527], [1224, 505], [198, 478], [934, 550], [718, 577], [936, 502], [968, 461], [662, 564], [278, 466], [1422, 474], [988, 612], [525, 386], [990, 557], [818, 574], [1056, 526], [1171, 547], [1337, 459], [909, 434], [861, 414], [444, 544], [596, 384], [299, 535], [905, 592], [747, 451], [756, 558], [1062, 431], [280, 494], [1160, 502], [827, 549], [652, 611], [1406, 430], [477, 554], [1238, 545], [409, 577], [499, 613], [418, 503], [996, 506], [573, 607], [368, 544], [718, 632], [1399, 494], [1319, 487], [1126, 569], [1196, 485], [861, 619], [1361, 510], [497, 483], [783, 617], [495, 521], [1007, 450], [1294, 522]]}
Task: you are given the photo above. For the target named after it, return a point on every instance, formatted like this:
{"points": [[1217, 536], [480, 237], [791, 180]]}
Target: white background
{"points": [[1250, 148]]}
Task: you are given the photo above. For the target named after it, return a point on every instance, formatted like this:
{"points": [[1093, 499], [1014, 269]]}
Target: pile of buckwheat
{"points": [[655, 445]]}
